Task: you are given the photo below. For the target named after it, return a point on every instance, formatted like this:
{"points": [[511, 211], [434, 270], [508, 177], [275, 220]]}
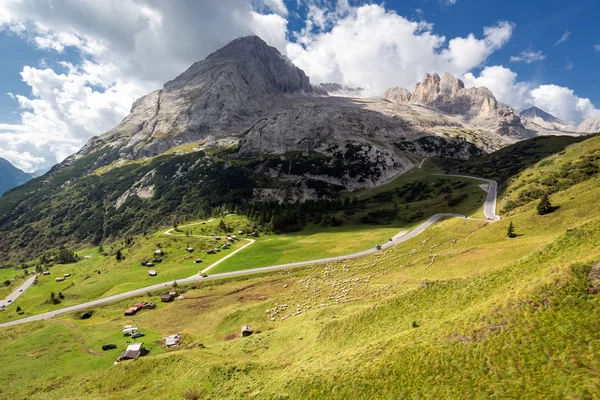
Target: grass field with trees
{"points": [[460, 311]]}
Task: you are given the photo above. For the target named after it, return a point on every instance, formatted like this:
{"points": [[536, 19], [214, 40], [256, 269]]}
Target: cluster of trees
{"points": [[54, 299]]}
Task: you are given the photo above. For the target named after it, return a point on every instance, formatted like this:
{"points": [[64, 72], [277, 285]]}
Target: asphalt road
{"points": [[18, 292], [489, 212]]}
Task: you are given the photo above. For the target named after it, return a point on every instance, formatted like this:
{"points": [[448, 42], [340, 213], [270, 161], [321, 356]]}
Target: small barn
{"points": [[211, 251], [158, 252], [166, 298], [189, 249], [149, 306], [46, 273], [217, 237], [152, 272], [59, 279], [240, 232], [133, 351], [197, 261], [149, 264], [67, 275], [246, 330], [225, 246]]}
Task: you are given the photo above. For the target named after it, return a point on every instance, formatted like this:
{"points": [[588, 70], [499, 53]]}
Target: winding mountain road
{"points": [[489, 209]]}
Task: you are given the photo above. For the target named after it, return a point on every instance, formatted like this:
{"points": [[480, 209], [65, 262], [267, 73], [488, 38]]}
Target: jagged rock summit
{"points": [[214, 97], [477, 106]]}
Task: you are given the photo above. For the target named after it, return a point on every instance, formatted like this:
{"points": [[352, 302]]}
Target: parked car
{"points": [[108, 347], [136, 335]]}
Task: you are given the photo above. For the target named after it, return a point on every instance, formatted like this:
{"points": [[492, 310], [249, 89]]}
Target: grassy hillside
{"points": [[511, 160], [460, 311], [99, 275]]}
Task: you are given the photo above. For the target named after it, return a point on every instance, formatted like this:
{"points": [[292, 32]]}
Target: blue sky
{"points": [[73, 67]]}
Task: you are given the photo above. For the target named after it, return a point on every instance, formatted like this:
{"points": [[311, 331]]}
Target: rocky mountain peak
{"points": [[589, 125], [534, 112], [260, 66], [218, 96], [477, 106]]}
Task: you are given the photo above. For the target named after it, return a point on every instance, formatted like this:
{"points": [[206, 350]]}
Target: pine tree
{"points": [[544, 207], [119, 256], [101, 249], [511, 231]]}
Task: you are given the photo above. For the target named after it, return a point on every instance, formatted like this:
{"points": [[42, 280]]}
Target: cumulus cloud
{"points": [[528, 56], [563, 38], [559, 101], [597, 47], [370, 39], [503, 83], [277, 6]]}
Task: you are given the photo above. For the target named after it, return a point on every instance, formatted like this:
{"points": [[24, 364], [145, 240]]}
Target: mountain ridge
{"points": [[11, 176]]}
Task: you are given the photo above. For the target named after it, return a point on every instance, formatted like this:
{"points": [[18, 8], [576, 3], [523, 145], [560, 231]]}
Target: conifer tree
{"points": [[511, 231], [544, 207]]}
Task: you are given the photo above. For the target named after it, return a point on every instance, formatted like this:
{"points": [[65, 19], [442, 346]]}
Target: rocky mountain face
{"points": [[220, 95], [245, 125], [11, 176], [589, 125], [476, 106], [249, 99]]}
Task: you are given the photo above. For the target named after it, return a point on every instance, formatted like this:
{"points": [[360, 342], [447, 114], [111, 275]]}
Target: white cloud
{"points": [[569, 64], [563, 103], [559, 101], [563, 38], [528, 56], [448, 2], [376, 49], [277, 6], [597, 47]]}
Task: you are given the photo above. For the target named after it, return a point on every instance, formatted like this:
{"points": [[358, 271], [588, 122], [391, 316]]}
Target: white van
{"points": [[129, 331]]}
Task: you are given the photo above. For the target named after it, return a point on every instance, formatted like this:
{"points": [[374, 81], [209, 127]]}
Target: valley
{"points": [[461, 293], [99, 275], [244, 233]]}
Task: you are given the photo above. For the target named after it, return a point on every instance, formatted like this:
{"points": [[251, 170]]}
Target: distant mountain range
{"points": [[245, 125], [546, 120], [11, 176]]}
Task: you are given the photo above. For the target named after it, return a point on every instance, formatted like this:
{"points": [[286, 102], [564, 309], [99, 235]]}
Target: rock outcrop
{"points": [[398, 95], [476, 106]]}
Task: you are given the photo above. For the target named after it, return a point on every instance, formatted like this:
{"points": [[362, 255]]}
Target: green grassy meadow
{"points": [[460, 311]]}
